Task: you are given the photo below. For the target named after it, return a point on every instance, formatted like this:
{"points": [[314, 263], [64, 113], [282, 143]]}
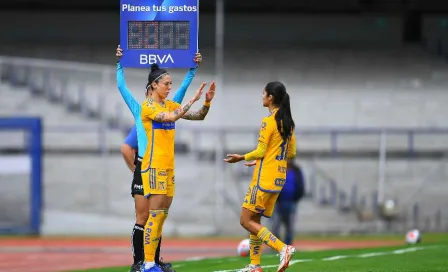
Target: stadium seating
{"points": [[338, 88]]}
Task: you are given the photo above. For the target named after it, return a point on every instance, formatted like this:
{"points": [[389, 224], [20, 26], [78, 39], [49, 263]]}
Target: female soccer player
{"points": [[276, 144], [158, 117], [133, 150]]}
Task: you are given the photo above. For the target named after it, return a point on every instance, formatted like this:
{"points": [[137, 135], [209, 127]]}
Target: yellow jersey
{"points": [[270, 171], [160, 149]]}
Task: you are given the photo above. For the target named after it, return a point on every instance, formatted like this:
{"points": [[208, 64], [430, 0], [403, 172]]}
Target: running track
{"points": [[56, 255]]}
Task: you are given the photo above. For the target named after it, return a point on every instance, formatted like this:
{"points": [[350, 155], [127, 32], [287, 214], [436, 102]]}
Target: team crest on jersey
{"points": [[149, 102]]}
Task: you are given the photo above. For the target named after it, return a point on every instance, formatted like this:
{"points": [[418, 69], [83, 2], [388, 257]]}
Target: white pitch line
{"points": [[334, 258], [401, 251], [192, 259], [267, 266], [339, 257]]}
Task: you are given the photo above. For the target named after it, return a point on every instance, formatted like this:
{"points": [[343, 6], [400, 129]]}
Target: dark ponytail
{"points": [[285, 123], [155, 75], [283, 116]]}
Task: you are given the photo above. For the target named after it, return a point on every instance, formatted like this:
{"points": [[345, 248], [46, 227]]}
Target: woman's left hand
{"points": [[211, 92], [250, 164]]}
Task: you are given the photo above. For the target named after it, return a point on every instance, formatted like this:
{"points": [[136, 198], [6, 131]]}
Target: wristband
{"points": [[207, 104]]}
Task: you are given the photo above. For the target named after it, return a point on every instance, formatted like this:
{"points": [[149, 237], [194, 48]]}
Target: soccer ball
{"points": [[244, 248], [413, 237]]}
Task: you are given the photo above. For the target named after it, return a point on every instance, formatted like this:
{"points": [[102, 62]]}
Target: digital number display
{"points": [[159, 35]]}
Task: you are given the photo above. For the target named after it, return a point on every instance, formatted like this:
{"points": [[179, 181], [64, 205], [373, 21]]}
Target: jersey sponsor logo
{"points": [[138, 187], [279, 182], [256, 250], [164, 125], [147, 236], [139, 228], [248, 191], [162, 185], [281, 169]]}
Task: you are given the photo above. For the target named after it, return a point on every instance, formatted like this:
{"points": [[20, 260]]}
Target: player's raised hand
{"points": [[119, 53], [197, 58], [250, 164], [199, 92], [211, 92], [233, 158]]}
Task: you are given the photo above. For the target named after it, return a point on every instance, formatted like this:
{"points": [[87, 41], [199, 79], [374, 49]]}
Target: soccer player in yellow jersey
{"points": [[158, 117], [276, 144]]}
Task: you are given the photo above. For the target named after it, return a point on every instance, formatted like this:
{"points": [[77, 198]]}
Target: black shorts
{"points": [[137, 184]]}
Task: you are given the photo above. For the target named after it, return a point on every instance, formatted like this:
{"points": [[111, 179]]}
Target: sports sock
{"points": [[255, 250], [153, 232], [157, 256], [269, 239], [137, 243]]}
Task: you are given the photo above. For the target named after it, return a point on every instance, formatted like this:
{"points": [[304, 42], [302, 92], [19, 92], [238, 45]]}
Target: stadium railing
{"points": [[323, 188]]}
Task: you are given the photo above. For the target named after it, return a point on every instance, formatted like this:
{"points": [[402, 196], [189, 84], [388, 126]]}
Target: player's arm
{"points": [[128, 156], [198, 114], [263, 140], [202, 112], [150, 112], [260, 151], [173, 116], [129, 99], [180, 93], [292, 149], [128, 148]]}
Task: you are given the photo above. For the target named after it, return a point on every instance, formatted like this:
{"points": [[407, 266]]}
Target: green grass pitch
{"points": [[427, 257]]}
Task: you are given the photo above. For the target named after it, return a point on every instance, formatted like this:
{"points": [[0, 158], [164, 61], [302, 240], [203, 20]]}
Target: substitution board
{"points": [[159, 31]]}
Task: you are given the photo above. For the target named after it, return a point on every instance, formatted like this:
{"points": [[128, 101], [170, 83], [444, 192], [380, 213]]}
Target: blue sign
{"points": [[159, 31]]}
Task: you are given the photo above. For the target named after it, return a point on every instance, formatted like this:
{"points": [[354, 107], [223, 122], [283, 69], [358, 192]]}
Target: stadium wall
{"points": [[93, 198]]}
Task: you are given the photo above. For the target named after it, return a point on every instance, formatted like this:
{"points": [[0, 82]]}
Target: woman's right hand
{"points": [[199, 92], [119, 53]]}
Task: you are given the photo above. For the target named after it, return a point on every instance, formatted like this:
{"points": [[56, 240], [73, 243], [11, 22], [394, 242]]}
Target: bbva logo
{"points": [[151, 59]]}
